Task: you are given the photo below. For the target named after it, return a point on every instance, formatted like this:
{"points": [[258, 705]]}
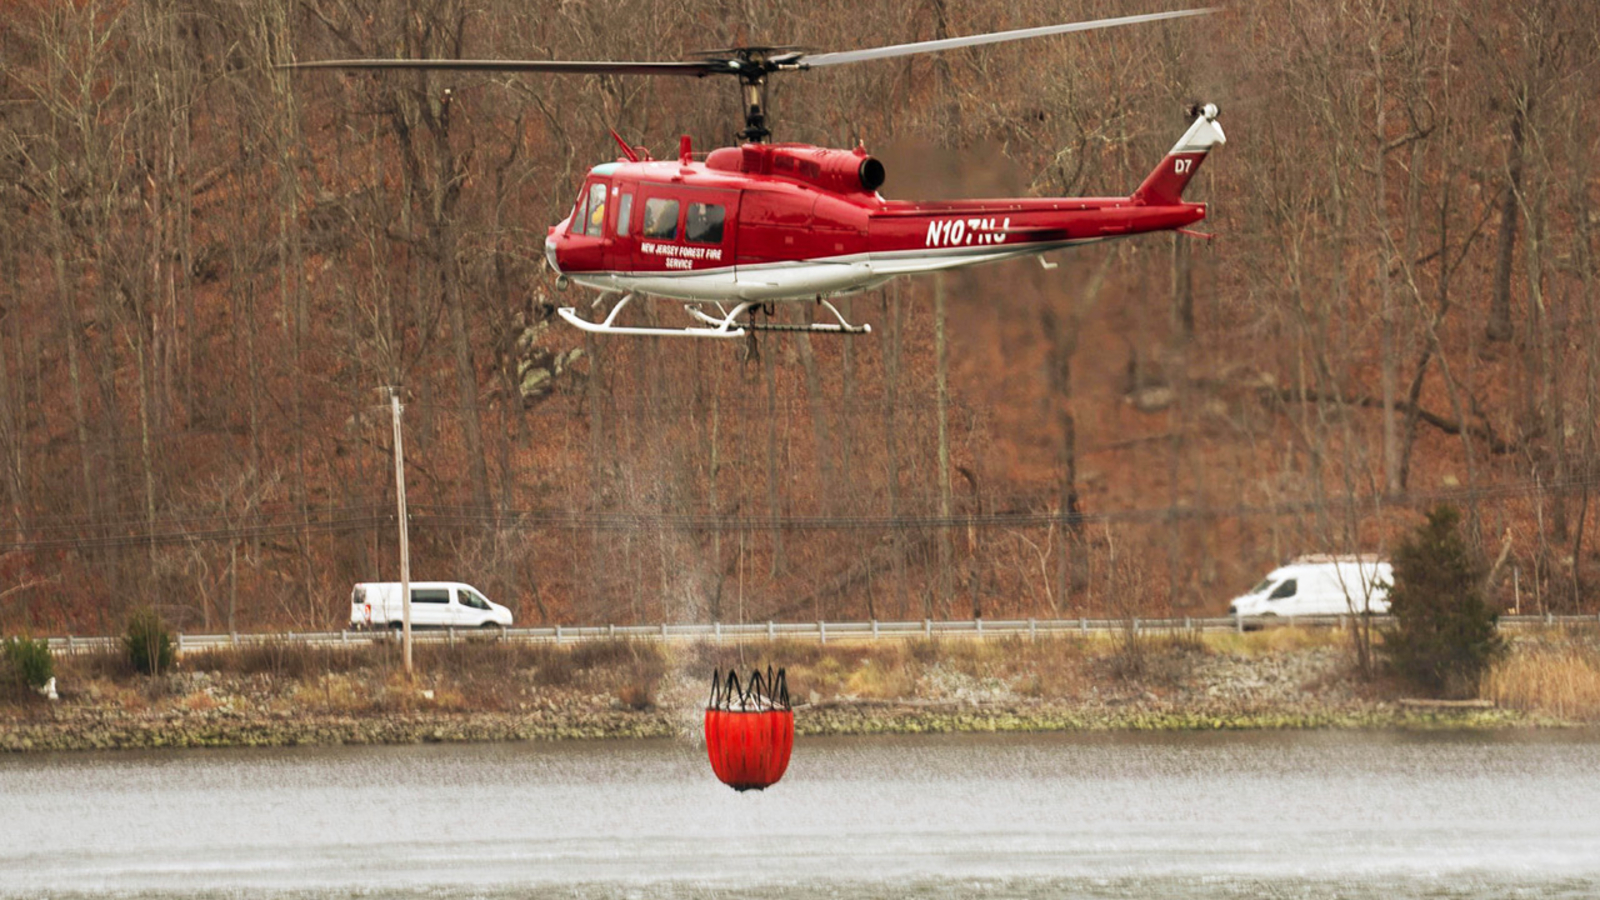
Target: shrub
{"points": [[638, 696], [148, 642], [1129, 658], [30, 661], [1444, 635]]}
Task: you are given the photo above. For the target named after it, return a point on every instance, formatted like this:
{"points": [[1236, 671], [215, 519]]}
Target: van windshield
{"points": [[1265, 583]]}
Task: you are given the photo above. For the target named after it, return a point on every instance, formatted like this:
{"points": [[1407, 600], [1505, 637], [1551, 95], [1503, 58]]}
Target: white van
{"points": [[1320, 586], [434, 604]]}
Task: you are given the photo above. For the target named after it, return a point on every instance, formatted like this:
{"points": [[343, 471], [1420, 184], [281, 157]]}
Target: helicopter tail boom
{"points": [[1164, 186]]}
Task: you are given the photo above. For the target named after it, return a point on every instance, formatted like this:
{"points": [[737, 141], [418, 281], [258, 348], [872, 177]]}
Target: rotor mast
{"points": [[753, 88], [753, 65]]}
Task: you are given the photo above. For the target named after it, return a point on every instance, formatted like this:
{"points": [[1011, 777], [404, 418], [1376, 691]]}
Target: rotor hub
{"points": [[752, 65]]}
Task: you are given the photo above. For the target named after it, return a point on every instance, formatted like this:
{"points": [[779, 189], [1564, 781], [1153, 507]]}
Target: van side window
{"points": [[624, 214], [704, 223], [430, 595], [1284, 590], [661, 219]]}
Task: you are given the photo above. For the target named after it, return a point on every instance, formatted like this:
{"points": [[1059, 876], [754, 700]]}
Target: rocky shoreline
{"points": [[89, 729], [630, 691]]}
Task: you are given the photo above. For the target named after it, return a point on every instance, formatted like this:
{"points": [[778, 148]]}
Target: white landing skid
{"points": [[723, 325]]}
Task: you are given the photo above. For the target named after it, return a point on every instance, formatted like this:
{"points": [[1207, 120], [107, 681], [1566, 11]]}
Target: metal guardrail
{"points": [[820, 631]]}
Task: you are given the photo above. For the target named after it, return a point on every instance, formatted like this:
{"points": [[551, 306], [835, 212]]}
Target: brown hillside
{"points": [[212, 268]]}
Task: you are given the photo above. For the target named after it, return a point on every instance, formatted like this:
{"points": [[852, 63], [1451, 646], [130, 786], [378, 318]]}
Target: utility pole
{"points": [[405, 545], [942, 381]]}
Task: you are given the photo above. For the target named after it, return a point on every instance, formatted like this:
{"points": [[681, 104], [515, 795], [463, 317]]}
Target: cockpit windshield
{"points": [[579, 211], [589, 215]]}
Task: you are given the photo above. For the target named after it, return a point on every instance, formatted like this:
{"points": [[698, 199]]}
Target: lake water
{"points": [[1291, 815]]}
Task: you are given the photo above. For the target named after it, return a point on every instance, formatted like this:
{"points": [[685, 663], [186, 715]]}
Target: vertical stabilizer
{"points": [[1165, 185]]}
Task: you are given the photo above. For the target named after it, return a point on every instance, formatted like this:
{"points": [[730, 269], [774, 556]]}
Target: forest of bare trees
{"points": [[212, 268]]}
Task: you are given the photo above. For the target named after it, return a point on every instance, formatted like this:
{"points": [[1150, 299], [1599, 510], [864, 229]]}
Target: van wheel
{"points": [[494, 629], [397, 626]]}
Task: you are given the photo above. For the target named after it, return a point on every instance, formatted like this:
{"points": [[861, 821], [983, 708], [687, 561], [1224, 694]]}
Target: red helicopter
{"points": [[761, 223]]}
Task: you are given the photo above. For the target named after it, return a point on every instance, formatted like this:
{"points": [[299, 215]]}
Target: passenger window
{"points": [[1284, 590], [430, 595], [597, 209], [704, 224], [661, 219], [624, 214]]}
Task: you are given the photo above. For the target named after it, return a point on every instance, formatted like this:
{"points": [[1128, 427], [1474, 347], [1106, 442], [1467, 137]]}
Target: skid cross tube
{"points": [[724, 324], [842, 326], [721, 328]]}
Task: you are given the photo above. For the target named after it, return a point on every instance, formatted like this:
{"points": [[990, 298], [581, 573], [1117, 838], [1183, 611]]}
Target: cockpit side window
{"points": [[624, 213], [597, 209]]}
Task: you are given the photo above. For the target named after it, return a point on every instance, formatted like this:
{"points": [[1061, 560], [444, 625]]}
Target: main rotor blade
{"points": [[693, 68], [850, 56]]}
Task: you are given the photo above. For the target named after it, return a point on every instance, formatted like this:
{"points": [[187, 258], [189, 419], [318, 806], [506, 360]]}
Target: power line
{"points": [[186, 536]]}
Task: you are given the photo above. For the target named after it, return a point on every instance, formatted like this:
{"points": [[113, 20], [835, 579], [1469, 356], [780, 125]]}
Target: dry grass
{"points": [[287, 659], [1554, 674], [15, 696], [892, 670], [1268, 641], [880, 678], [338, 692], [106, 664], [1053, 666], [856, 669], [199, 702]]}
